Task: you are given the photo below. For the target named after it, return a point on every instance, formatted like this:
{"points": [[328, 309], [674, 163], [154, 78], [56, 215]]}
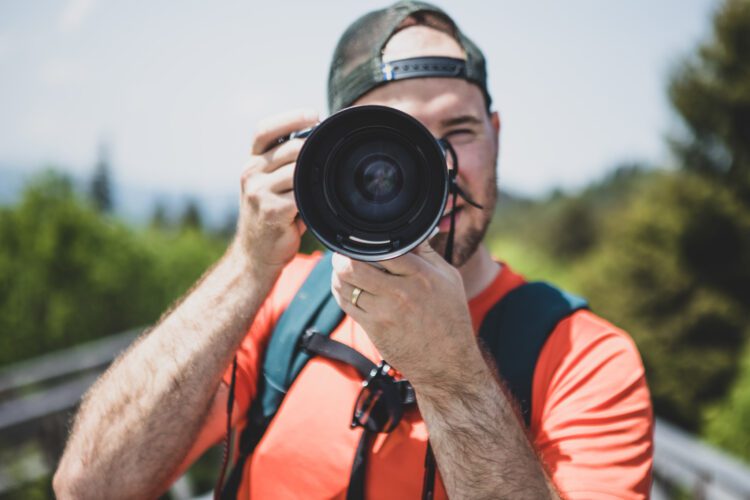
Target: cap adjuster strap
{"points": [[421, 67]]}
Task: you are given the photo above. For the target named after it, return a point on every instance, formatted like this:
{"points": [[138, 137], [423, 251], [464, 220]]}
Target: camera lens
{"points": [[378, 178], [371, 182], [373, 179]]}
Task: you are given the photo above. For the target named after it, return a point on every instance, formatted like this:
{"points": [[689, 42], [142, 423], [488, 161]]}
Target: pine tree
{"points": [[101, 183], [191, 216], [159, 217]]}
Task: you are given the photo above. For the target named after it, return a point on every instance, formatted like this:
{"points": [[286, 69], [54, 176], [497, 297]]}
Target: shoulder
{"points": [[585, 342], [586, 360], [592, 409]]}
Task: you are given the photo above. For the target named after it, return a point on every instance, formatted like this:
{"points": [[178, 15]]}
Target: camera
{"points": [[371, 182]]}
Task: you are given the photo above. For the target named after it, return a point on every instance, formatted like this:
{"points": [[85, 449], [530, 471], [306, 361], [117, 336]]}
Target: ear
{"points": [[495, 120]]}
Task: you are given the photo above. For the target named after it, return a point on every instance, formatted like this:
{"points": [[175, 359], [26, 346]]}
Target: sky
{"points": [[174, 89]]}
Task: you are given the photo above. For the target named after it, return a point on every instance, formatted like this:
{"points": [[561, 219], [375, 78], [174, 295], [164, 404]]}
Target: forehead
{"points": [[417, 41], [430, 100]]}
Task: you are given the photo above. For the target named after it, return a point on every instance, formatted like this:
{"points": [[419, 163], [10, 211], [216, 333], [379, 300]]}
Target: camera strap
{"points": [[454, 191]]}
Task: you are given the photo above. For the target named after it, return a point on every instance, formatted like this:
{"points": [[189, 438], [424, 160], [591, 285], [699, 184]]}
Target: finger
{"points": [[278, 209], [405, 265], [346, 291], [272, 128], [287, 208], [373, 278], [280, 180], [281, 155], [428, 253], [363, 275], [345, 304]]}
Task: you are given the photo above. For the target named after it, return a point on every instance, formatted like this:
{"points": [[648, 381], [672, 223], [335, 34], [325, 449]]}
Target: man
{"points": [[164, 402]]}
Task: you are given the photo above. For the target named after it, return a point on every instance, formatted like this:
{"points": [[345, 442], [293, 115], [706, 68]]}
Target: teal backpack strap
{"points": [[516, 328], [312, 308]]}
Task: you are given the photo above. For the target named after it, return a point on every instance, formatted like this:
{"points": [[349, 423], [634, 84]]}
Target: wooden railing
{"points": [[38, 396]]}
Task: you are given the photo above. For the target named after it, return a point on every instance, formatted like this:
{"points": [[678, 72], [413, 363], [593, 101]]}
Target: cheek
{"points": [[476, 171]]}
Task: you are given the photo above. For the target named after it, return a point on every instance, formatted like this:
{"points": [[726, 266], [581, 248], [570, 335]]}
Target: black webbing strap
{"points": [[428, 481], [356, 489], [317, 343], [249, 439]]}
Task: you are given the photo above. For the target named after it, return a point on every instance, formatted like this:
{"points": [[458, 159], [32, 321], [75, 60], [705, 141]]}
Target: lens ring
{"points": [[326, 207]]}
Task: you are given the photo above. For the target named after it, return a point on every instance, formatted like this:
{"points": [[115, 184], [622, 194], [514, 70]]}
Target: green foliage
{"points": [[674, 270], [566, 227], [711, 91], [70, 274], [726, 424]]}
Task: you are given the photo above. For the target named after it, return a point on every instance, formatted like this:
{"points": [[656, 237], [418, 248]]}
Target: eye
{"points": [[460, 136]]}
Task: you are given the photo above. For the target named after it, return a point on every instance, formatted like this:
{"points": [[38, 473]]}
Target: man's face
{"points": [[453, 109]]}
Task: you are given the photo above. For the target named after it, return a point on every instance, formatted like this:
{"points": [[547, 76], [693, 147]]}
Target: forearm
{"points": [[138, 421], [479, 443]]}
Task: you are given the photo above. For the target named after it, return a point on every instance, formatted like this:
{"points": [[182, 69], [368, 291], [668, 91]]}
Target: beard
{"points": [[464, 245], [466, 241]]}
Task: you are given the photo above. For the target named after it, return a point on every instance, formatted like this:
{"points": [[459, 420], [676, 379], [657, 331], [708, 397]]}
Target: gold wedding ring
{"points": [[355, 295]]}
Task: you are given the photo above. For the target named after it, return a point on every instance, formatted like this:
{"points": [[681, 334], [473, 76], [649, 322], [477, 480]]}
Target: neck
{"points": [[478, 272]]}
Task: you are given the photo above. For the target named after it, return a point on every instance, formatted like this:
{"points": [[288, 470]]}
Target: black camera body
{"points": [[371, 182]]}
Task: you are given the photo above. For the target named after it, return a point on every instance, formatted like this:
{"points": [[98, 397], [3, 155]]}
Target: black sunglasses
{"points": [[380, 404]]}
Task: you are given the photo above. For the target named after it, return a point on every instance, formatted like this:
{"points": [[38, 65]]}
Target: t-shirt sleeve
{"points": [[250, 353], [592, 420]]}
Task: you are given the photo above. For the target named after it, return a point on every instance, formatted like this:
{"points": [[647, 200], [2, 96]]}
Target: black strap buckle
{"points": [[379, 406]]}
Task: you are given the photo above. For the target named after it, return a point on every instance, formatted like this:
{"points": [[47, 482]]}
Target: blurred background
{"points": [[624, 177]]}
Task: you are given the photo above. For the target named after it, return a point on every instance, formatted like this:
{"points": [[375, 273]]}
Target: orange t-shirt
{"points": [[591, 419]]}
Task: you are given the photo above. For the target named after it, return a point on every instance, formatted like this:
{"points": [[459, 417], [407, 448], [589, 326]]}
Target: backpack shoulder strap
{"points": [[313, 306], [516, 328]]}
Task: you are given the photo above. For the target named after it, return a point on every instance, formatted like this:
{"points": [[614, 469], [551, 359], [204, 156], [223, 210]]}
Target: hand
{"points": [[269, 230], [415, 313]]}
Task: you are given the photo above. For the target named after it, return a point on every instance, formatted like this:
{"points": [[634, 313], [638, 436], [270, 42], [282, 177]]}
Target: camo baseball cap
{"points": [[358, 67]]}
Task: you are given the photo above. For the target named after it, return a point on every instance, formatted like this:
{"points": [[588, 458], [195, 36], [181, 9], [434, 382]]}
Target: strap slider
{"points": [[306, 338]]}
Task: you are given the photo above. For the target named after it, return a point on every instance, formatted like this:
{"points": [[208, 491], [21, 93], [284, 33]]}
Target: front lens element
{"points": [[378, 178]]}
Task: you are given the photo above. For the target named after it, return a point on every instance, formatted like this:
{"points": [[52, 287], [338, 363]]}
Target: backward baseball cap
{"points": [[358, 67]]}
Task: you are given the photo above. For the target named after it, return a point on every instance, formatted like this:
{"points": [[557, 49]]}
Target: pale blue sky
{"points": [[177, 87]]}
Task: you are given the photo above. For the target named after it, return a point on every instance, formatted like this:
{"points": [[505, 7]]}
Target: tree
{"points": [[669, 271], [159, 218], [101, 182], [711, 92], [191, 216], [69, 274]]}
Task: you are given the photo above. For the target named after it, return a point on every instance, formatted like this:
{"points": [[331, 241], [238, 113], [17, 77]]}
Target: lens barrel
{"points": [[371, 182]]}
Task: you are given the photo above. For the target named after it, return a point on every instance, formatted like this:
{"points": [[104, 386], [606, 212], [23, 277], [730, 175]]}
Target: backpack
{"points": [[513, 331]]}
